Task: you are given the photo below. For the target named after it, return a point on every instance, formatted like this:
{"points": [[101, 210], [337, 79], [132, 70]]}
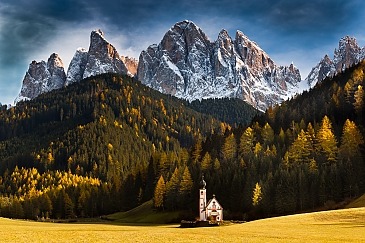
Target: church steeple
{"points": [[203, 184], [202, 200]]}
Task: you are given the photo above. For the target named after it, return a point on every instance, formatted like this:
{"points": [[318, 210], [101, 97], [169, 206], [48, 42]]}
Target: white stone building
{"points": [[209, 211]]}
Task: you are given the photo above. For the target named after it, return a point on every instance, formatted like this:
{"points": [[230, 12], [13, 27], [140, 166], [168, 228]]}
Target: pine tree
{"points": [[300, 150], [327, 143], [186, 185], [267, 134], [159, 194], [216, 164], [172, 187], [68, 206], [229, 149], [351, 156], [247, 143], [196, 154], [206, 162], [257, 195]]}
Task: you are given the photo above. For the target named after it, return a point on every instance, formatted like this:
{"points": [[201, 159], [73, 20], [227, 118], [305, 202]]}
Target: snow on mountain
{"points": [[325, 68], [188, 65], [102, 57], [77, 66], [346, 55], [42, 77]]}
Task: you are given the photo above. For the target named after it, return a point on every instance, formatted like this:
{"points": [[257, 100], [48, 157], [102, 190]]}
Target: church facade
{"points": [[210, 211]]}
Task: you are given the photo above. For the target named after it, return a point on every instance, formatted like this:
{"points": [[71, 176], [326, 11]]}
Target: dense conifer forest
{"points": [[109, 143], [230, 110]]}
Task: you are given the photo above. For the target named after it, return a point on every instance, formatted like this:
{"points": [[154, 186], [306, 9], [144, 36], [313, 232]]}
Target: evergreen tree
{"points": [[300, 150], [206, 162], [229, 149], [68, 206], [327, 143], [196, 154], [172, 189], [159, 194], [267, 134], [352, 159], [247, 143], [257, 195], [185, 189]]}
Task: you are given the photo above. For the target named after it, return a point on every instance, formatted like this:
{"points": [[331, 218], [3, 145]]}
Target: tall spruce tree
{"points": [[327, 142], [159, 194]]}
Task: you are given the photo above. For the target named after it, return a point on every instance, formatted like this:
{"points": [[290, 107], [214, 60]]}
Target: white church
{"points": [[210, 211]]}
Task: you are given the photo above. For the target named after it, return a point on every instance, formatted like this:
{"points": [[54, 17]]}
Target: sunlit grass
{"points": [[332, 226]]}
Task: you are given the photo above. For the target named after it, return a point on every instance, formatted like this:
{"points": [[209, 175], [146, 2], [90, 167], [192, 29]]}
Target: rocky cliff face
{"points": [[346, 55], [102, 57], [188, 65], [77, 66], [42, 77]]}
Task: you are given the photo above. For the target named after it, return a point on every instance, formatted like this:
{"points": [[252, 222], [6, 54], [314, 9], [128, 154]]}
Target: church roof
{"points": [[211, 200]]}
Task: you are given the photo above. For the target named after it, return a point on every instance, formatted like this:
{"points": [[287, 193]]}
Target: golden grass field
{"points": [[347, 225]]}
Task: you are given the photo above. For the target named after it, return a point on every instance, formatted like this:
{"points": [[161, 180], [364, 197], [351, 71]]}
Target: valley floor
{"points": [[346, 225]]}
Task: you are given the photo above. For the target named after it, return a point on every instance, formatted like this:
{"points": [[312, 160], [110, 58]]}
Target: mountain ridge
{"points": [[188, 65], [346, 55], [101, 57]]}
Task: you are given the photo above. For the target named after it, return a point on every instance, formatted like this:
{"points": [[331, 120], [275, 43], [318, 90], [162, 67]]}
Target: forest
{"points": [[109, 143]]}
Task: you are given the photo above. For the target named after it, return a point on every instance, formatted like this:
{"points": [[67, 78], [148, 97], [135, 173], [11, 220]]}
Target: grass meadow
{"points": [[347, 225]]}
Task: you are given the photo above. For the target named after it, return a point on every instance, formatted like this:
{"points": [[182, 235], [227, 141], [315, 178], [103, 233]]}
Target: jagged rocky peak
{"points": [[42, 77], [77, 66], [57, 73], [325, 68], [251, 53], [169, 66], [102, 57], [346, 55], [188, 65]]}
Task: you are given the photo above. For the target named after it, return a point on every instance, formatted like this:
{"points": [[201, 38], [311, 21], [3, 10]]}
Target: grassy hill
{"points": [[330, 226], [358, 203], [144, 214]]}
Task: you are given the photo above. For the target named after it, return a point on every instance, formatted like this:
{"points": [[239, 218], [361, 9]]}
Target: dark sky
{"points": [[295, 31]]}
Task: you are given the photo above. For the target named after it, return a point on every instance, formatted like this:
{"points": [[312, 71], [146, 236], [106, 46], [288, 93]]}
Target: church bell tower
{"points": [[202, 200]]}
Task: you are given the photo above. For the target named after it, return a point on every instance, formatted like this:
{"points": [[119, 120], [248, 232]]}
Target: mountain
{"points": [[42, 77], [188, 65], [102, 57], [346, 55]]}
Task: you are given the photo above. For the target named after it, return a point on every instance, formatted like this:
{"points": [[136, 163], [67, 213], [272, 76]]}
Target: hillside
{"points": [[145, 214], [306, 153], [357, 203], [110, 128], [330, 226]]}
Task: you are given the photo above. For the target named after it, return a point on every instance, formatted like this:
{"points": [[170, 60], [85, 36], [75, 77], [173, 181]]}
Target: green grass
{"points": [[359, 202], [347, 225], [144, 214]]}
